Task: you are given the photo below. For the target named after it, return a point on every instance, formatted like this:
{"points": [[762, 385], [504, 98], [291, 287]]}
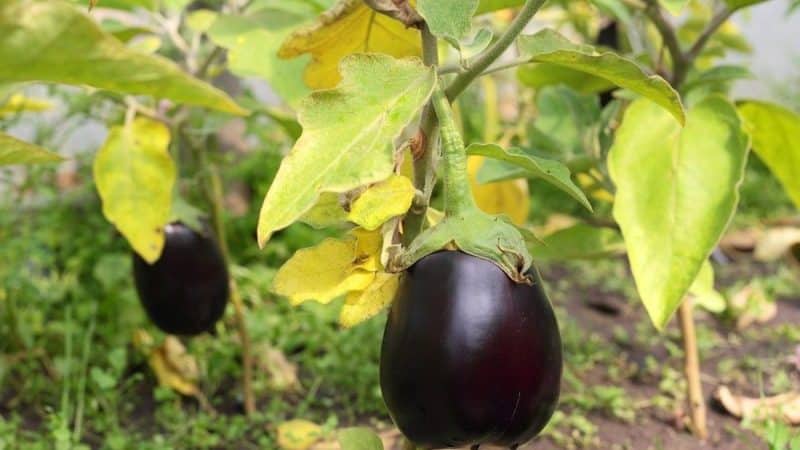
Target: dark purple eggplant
{"points": [[469, 356], [186, 290]]}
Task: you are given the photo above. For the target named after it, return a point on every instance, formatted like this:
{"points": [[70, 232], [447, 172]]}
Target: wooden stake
{"points": [[692, 369]]}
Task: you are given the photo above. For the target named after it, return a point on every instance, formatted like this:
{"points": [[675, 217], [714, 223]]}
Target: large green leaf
{"points": [[135, 175], [53, 41], [579, 241], [549, 170], [776, 140], [14, 151], [677, 189], [448, 19], [348, 135], [253, 42], [548, 46]]}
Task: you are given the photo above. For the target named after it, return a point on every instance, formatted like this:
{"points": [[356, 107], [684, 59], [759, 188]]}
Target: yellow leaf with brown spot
{"points": [[350, 26], [368, 250], [363, 305], [323, 272], [389, 198], [505, 197]]}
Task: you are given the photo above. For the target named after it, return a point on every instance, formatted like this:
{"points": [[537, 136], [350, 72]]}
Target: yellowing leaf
{"points": [[349, 27], [18, 103], [365, 304], [135, 174], [775, 132], [14, 151], [368, 249], [505, 197], [174, 368], [321, 273], [381, 202], [53, 41], [677, 189], [327, 212], [348, 135], [298, 434]]}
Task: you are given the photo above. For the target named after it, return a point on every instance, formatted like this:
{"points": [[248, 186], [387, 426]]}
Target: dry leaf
{"points": [[776, 242], [784, 406], [752, 305], [282, 372], [174, 367], [740, 241]]}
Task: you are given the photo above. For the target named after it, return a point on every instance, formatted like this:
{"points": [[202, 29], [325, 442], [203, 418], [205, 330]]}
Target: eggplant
{"points": [[186, 290], [469, 357]]}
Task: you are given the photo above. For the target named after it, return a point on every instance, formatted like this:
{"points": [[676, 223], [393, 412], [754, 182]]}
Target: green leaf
{"points": [[579, 241], [52, 41], [614, 8], [14, 151], [476, 45], [703, 292], [448, 19], [348, 135], [715, 76], [674, 6], [359, 439], [566, 120], [739, 4], [549, 170], [135, 176], [486, 6], [201, 20], [775, 132], [550, 47], [677, 190], [253, 42], [541, 75]]}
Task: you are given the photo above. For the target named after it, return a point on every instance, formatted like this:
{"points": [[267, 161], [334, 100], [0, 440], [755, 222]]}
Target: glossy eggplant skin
{"points": [[185, 292], [469, 357]]}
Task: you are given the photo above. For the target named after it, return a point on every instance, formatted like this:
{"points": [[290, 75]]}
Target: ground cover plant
{"points": [[315, 224]]}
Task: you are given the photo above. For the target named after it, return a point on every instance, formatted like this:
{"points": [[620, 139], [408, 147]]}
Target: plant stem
{"points": [[424, 164], [490, 56], [212, 188], [717, 21], [457, 193], [679, 63], [692, 370]]}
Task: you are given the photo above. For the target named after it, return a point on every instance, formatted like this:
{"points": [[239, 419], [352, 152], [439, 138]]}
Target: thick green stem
{"points": [[424, 170], [490, 56], [457, 194]]}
